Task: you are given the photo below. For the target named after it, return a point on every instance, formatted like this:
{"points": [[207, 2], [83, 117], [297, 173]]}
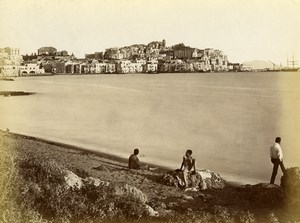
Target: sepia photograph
{"points": [[149, 111]]}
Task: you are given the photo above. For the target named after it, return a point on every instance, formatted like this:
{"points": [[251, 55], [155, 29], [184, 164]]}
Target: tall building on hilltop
{"points": [[48, 50], [10, 56]]}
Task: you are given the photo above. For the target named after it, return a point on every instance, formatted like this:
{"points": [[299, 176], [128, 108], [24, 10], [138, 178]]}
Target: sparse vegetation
{"points": [[33, 189]]}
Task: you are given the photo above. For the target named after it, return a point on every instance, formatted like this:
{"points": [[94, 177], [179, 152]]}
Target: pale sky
{"points": [[243, 29]]}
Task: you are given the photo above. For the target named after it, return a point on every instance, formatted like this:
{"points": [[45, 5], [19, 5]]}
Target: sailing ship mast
{"points": [[292, 62]]}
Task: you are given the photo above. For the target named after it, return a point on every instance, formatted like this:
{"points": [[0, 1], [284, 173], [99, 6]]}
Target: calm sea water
{"points": [[229, 120]]}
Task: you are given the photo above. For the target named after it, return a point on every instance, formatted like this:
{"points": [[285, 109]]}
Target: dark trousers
{"points": [[276, 163]]}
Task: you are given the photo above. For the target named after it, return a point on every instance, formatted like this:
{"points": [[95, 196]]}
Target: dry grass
{"points": [[10, 211], [32, 189]]}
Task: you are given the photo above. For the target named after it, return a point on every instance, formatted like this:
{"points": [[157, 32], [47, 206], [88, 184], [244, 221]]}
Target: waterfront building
{"points": [[9, 71], [151, 67], [4, 58], [123, 66], [72, 67], [195, 53], [10, 56], [31, 69], [166, 67], [110, 68], [234, 67], [100, 68], [246, 67], [197, 66], [141, 61], [136, 58], [85, 68], [56, 67], [10, 60], [188, 67], [135, 68]]}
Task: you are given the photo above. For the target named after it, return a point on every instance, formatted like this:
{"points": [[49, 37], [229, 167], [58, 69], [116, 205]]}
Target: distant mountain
{"points": [[259, 64]]}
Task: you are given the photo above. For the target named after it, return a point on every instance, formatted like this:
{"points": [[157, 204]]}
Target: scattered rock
{"points": [[290, 182], [172, 204], [145, 181], [209, 179], [273, 218], [186, 197], [95, 181], [193, 189], [202, 179], [163, 205], [129, 190], [72, 180], [151, 212], [170, 179]]}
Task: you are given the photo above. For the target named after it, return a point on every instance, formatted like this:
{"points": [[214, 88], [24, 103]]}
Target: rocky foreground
{"points": [[47, 182]]}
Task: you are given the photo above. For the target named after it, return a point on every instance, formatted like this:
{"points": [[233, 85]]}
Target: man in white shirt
{"points": [[276, 158]]}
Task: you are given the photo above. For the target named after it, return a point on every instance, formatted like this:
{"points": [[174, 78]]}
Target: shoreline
{"points": [[158, 168], [186, 72], [41, 162]]}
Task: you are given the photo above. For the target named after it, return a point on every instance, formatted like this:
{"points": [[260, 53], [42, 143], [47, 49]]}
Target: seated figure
{"points": [[188, 163], [133, 161]]}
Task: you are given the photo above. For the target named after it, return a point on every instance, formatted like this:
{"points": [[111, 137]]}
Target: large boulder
{"points": [[123, 190], [74, 181], [290, 182], [128, 190], [209, 179], [201, 179]]}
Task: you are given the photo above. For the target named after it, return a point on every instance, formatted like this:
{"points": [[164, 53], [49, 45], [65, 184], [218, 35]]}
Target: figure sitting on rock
{"points": [[188, 163], [276, 158]]}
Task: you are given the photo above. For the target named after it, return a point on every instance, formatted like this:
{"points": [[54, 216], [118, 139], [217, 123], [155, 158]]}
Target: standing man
{"points": [[276, 158], [133, 161]]}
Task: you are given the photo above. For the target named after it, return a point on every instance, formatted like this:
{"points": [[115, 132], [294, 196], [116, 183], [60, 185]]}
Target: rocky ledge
{"points": [[199, 180]]}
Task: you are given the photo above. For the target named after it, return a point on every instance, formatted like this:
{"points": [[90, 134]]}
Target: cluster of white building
{"points": [[10, 64], [154, 57], [120, 66]]}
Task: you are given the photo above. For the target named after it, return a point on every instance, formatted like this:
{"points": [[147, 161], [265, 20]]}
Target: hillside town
{"points": [[154, 57]]}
